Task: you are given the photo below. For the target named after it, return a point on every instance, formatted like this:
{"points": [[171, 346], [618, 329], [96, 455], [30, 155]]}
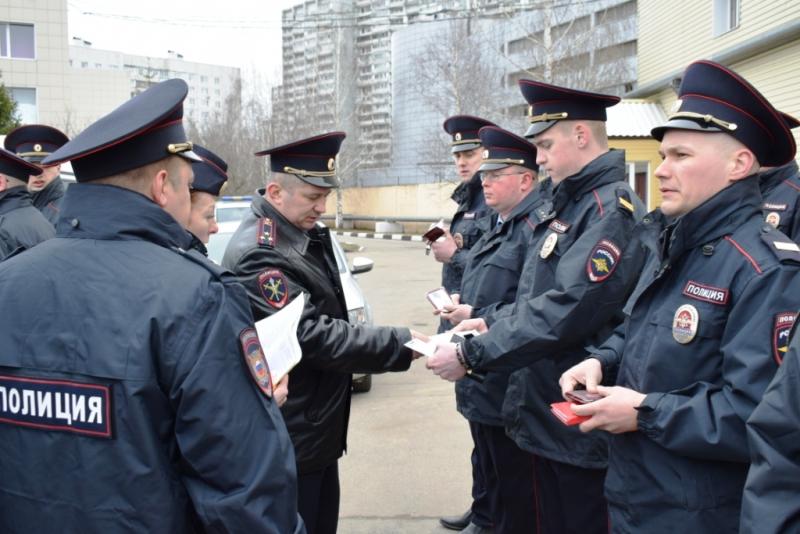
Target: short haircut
{"points": [[138, 179], [289, 182]]}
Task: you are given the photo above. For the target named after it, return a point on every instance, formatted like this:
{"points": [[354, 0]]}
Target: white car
{"points": [[358, 309]]}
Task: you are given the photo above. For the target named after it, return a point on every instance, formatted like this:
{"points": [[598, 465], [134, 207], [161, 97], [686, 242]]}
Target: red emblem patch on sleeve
{"points": [[780, 334], [255, 360], [273, 287], [603, 260]]}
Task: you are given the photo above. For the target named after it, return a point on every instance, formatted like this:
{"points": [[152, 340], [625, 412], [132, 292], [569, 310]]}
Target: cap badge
{"points": [[684, 324], [549, 245], [486, 154], [331, 164], [458, 136], [37, 147]]}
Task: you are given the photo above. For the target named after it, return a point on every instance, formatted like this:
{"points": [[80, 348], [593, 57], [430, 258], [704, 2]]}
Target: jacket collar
{"points": [[102, 211], [604, 169], [770, 179], [13, 198], [286, 232], [467, 190], [715, 218]]}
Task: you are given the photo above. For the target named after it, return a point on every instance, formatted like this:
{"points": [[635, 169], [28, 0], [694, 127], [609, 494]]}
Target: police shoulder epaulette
{"points": [[624, 202], [266, 235], [784, 248]]}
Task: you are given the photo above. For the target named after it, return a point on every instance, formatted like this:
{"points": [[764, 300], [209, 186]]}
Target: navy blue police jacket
{"points": [[704, 331], [125, 401], [780, 188], [465, 229], [490, 282], [276, 262], [575, 282], [770, 504], [21, 225], [48, 200]]}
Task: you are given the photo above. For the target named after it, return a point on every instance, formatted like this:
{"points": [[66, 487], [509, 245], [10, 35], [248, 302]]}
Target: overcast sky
{"points": [[239, 33]]}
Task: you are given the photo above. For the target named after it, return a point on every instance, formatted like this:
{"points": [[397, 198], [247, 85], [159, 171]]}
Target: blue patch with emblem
{"points": [[255, 360], [274, 288], [266, 232], [603, 260], [59, 405], [780, 334]]}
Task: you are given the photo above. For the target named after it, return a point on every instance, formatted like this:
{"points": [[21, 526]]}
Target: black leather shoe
{"points": [[475, 529], [456, 522]]}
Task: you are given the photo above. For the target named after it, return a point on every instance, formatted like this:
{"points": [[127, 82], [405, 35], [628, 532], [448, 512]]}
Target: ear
{"points": [[158, 188], [528, 180], [743, 163], [273, 193], [582, 134]]}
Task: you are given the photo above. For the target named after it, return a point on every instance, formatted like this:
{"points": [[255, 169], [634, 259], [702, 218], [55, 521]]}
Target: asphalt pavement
{"points": [[408, 448]]}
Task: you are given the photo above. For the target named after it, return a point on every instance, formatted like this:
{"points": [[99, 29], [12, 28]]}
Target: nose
{"points": [[540, 159], [213, 227], [319, 205], [661, 171]]}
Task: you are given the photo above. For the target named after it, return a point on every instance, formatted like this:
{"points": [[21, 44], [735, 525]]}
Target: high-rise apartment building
{"points": [[352, 64]]}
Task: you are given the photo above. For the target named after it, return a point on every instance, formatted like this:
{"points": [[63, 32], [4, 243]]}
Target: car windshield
{"points": [[231, 213]]}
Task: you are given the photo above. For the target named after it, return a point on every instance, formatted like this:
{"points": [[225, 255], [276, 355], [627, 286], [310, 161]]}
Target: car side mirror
{"points": [[361, 265]]}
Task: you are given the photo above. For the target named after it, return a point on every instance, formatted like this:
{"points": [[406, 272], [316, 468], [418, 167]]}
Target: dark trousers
{"points": [[508, 472], [570, 499], [318, 500], [481, 507]]}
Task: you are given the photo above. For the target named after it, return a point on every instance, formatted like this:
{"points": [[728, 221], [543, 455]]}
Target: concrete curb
{"points": [[373, 235]]}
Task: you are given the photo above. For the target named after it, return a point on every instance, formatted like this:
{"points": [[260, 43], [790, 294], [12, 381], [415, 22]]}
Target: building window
{"points": [[638, 179], [16, 40], [726, 16], [25, 97]]}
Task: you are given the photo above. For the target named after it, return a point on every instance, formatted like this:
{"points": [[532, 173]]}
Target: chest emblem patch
{"points": [[603, 260], [684, 324], [773, 219], [780, 334], [706, 293], [273, 287], [549, 245], [255, 360]]}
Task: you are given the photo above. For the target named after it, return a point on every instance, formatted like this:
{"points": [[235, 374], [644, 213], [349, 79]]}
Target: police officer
{"points": [[708, 321], [21, 225], [278, 252], [132, 397], [34, 142], [210, 176], [780, 188], [452, 252], [571, 291], [509, 176], [770, 504]]}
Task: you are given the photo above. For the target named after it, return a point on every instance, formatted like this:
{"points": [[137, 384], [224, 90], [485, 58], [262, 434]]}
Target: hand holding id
{"points": [[444, 248], [445, 364], [588, 373]]}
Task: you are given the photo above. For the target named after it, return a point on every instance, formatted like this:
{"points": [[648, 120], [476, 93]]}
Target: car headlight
{"points": [[357, 316]]}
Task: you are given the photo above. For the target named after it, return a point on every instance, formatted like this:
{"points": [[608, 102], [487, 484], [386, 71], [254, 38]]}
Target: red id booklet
{"points": [[565, 413]]}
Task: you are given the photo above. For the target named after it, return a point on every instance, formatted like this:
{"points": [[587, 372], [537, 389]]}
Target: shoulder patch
{"points": [[784, 248], [624, 202], [266, 232], [273, 287], [255, 360], [780, 334], [603, 260]]}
